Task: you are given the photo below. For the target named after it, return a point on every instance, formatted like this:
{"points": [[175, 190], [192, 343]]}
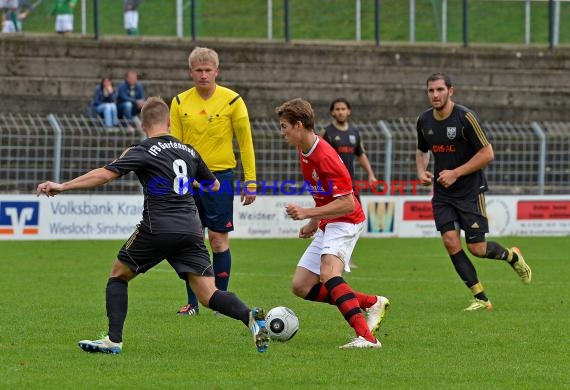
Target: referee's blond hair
{"points": [[203, 54]]}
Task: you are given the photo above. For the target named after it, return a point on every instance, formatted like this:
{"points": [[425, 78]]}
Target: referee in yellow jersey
{"points": [[208, 117]]}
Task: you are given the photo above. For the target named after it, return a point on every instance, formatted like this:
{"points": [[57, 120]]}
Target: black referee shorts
{"points": [[186, 253]]}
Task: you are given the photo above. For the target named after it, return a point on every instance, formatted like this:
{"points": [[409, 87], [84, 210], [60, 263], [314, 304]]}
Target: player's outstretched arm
{"points": [[91, 179]]}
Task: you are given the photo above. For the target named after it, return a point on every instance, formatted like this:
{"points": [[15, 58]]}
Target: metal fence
{"points": [[481, 21], [530, 158], [35, 148]]}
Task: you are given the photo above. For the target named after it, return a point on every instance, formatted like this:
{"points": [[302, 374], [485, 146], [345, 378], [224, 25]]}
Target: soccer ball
{"points": [[282, 323]]}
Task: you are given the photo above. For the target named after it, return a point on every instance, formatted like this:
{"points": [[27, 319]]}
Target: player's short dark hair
{"points": [[154, 111], [339, 100], [297, 110], [440, 76]]}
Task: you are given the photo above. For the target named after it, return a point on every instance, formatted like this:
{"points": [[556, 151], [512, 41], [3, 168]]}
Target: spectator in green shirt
{"points": [[63, 11]]}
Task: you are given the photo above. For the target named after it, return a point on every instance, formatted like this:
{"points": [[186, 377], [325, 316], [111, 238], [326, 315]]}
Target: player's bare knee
{"points": [[451, 244], [203, 295], [203, 301], [299, 290], [121, 271], [220, 242], [478, 249], [451, 239]]}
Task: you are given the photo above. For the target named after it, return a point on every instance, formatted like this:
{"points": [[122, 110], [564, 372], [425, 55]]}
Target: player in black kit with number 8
{"points": [[170, 229]]}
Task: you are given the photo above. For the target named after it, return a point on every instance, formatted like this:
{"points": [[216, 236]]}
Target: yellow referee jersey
{"points": [[210, 126]]}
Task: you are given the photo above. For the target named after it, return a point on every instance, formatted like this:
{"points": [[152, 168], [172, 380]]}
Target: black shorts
{"points": [[468, 213], [186, 253]]}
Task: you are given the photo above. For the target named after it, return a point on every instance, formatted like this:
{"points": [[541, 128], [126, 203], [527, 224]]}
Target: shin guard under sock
{"points": [[222, 262], [117, 300], [466, 271], [348, 305], [230, 305]]}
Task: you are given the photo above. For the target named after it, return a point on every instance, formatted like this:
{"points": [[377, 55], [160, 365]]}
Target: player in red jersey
{"points": [[336, 221]]}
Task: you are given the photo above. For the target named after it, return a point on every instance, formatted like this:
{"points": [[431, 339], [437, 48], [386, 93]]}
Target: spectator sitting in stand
{"points": [[104, 102], [131, 97]]}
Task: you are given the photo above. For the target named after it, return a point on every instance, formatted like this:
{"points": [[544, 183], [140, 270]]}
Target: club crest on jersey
{"points": [[315, 176], [451, 132], [352, 139]]}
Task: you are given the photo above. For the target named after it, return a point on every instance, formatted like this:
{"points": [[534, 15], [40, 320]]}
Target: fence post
{"points": [[96, 19], [527, 22], [83, 18], [286, 22], [388, 151], [377, 22], [269, 19], [556, 32], [465, 20], [358, 19], [179, 19], [551, 24], [193, 19], [542, 157], [412, 21], [443, 21], [56, 147]]}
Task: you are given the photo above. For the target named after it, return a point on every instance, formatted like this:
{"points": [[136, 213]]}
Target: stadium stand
{"points": [[46, 83], [43, 74]]}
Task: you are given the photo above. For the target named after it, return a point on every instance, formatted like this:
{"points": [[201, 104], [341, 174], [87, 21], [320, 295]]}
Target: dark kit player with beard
{"points": [[461, 150]]}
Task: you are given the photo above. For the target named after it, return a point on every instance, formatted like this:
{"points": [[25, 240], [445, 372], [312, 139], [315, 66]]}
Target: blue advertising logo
{"points": [[19, 218]]}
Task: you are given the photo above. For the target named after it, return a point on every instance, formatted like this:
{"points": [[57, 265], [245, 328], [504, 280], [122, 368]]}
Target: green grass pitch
{"points": [[53, 296]]}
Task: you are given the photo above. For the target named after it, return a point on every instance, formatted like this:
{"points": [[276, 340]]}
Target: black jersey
{"points": [[166, 169], [346, 143], [453, 141]]}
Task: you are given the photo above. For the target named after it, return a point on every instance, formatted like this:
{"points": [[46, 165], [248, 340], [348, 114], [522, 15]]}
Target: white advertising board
{"points": [[508, 216], [25, 217]]}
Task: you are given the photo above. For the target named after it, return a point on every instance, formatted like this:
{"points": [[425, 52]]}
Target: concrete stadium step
{"points": [[257, 72], [47, 73], [172, 50], [370, 102]]}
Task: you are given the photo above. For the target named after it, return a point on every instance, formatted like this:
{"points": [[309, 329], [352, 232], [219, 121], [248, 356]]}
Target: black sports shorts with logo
{"points": [[186, 253], [469, 213]]}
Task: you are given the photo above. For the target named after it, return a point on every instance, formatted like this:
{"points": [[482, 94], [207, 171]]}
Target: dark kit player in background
{"points": [[345, 139], [454, 136]]}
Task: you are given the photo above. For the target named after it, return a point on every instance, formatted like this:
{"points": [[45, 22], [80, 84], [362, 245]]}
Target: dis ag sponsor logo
{"points": [[18, 218]]}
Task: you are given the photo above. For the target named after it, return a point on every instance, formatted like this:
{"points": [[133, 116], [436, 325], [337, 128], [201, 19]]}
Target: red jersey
{"points": [[328, 178]]}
